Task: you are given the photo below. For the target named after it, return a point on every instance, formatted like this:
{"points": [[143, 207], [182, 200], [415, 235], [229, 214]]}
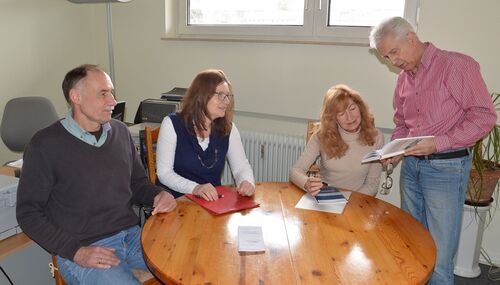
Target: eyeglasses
{"points": [[222, 97], [387, 184]]}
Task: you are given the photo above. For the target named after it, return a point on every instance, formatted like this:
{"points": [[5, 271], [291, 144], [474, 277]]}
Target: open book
{"points": [[393, 148]]}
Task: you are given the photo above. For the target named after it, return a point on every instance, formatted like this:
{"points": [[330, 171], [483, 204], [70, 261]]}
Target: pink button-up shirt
{"points": [[446, 98]]}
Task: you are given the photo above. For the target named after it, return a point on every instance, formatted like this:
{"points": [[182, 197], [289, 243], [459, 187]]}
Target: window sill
{"points": [[279, 40]]}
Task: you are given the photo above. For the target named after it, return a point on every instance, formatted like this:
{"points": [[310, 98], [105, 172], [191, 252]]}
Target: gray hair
{"points": [[397, 27]]}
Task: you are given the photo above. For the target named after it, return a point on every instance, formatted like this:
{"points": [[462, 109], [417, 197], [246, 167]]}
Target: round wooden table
{"points": [[371, 242]]}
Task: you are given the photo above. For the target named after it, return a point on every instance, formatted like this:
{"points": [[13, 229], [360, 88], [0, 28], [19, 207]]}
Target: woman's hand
{"points": [[206, 191], [313, 185], [246, 188]]}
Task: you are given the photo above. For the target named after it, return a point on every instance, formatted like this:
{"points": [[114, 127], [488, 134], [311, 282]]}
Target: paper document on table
{"points": [[229, 201], [250, 239], [307, 202], [17, 163]]}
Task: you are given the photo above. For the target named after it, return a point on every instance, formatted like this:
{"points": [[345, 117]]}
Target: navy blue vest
{"points": [[192, 162]]}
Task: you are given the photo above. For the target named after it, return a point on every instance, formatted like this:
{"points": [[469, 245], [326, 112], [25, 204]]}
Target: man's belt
{"points": [[446, 155]]}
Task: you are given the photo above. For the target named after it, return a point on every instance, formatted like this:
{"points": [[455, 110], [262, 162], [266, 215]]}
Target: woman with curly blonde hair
{"points": [[345, 133]]}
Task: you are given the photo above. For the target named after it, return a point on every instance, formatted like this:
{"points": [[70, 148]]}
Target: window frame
{"points": [[356, 34], [314, 30]]}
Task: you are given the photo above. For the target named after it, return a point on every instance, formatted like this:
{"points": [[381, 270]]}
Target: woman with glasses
{"points": [[193, 143], [345, 133]]}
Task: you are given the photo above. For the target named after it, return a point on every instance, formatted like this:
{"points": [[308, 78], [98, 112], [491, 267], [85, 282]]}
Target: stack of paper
{"points": [[250, 239]]}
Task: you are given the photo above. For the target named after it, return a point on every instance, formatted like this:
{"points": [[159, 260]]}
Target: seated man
{"points": [[80, 177]]}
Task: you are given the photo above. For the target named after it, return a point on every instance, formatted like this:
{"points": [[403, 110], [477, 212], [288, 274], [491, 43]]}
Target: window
{"points": [[255, 12], [340, 21]]}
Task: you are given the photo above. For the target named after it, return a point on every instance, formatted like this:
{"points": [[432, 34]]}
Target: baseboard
{"points": [[494, 259]]}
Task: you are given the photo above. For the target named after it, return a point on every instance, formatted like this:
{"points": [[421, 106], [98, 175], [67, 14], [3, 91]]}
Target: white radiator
{"points": [[270, 155]]}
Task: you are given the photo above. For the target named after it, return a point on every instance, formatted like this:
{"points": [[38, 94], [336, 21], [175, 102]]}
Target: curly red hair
{"points": [[336, 100]]}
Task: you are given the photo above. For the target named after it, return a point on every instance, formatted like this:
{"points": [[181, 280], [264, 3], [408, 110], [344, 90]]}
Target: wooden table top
{"points": [[371, 242]]}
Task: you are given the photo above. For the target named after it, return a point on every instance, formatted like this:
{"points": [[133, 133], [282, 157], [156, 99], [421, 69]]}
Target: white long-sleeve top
{"points": [[165, 156]]}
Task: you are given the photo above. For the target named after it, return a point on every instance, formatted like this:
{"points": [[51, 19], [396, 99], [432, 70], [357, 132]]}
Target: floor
{"points": [[481, 280]]}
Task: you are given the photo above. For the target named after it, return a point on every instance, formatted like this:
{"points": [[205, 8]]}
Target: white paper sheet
{"points": [[18, 163], [250, 239]]}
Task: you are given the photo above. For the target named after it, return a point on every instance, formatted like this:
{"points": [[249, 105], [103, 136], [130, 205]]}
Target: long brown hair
{"points": [[336, 100], [194, 103]]}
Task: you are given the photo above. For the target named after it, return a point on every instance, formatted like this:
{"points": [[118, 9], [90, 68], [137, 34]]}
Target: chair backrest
{"points": [[22, 118], [314, 168], [310, 129], [150, 139]]}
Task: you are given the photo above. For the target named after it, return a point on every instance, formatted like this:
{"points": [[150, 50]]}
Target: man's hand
{"points": [[96, 257], [246, 188], [392, 160], [424, 147], [163, 202], [206, 191]]}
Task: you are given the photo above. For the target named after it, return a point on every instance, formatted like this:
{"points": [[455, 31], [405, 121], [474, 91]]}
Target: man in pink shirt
{"points": [[439, 93]]}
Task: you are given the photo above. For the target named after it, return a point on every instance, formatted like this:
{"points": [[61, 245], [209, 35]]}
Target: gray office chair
{"points": [[22, 118]]}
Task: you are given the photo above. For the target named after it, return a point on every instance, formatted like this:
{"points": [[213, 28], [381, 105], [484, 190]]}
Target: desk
{"points": [[372, 242], [15, 242], [7, 170]]}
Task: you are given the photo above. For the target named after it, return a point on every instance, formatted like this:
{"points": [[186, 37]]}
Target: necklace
{"points": [[211, 165]]}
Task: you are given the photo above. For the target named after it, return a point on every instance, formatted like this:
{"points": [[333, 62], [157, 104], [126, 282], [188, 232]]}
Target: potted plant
{"points": [[483, 181], [486, 168]]}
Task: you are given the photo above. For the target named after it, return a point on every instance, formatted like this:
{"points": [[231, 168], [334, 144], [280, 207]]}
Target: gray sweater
{"points": [[72, 194]]}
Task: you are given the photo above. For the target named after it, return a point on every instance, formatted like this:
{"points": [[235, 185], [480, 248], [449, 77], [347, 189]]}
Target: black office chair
{"points": [[22, 118]]}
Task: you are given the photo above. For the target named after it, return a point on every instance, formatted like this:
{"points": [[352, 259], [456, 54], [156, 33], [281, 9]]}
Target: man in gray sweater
{"points": [[79, 180]]}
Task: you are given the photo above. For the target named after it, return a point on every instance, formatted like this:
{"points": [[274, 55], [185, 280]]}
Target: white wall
{"points": [[41, 41]]}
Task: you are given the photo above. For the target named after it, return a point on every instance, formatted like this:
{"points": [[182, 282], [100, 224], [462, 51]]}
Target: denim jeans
{"points": [[128, 250], [433, 191]]}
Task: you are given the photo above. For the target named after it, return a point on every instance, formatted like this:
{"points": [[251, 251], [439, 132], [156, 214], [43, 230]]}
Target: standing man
{"points": [[79, 180], [439, 93]]}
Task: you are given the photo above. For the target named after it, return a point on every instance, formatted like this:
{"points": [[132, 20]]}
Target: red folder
{"points": [[230, 201]]}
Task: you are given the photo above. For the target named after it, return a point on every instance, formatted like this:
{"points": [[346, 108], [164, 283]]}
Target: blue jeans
{"points": [[433, 191], [128, 250]]}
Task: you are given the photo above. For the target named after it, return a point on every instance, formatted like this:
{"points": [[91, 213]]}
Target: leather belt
{"points": [[446, 155]]}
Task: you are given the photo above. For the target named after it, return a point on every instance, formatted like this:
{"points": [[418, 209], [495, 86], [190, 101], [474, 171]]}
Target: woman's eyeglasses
{"points": [[387, 184], [222, 97]]}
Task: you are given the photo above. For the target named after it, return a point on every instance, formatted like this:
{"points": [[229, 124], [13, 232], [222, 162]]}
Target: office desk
{"points": [[371, 242], [15, 242], [7, 170]]}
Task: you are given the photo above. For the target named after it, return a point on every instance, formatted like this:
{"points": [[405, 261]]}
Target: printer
{"points": [[8, 196]]}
